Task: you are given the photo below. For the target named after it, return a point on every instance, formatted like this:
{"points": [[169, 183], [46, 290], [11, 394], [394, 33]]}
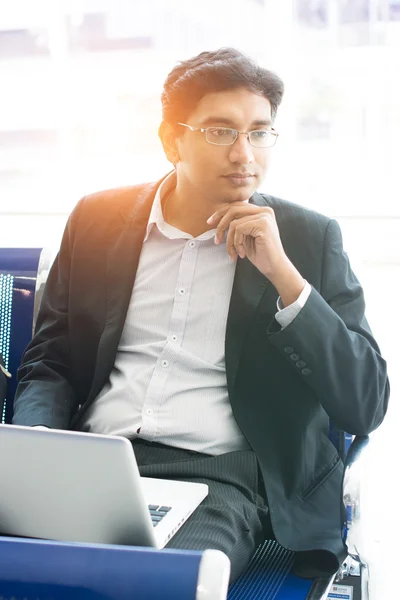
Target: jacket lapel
{"points": [[249, 287]]}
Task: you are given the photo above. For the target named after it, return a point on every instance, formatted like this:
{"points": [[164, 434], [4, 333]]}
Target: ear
{"points": [[167, 136]]}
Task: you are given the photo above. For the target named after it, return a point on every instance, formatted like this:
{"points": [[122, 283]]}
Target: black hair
{"points": [[216, 71]]}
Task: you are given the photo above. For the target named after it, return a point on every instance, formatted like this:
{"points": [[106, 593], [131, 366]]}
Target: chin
{"points": [[241, 191], [243, 194]]}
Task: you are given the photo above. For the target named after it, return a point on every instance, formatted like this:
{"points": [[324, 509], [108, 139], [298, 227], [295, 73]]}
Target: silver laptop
{"points": [[72, 486]]}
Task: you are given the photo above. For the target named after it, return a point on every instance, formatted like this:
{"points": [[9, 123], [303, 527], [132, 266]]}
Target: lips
{"points": [[244, 175], [239, 179]]}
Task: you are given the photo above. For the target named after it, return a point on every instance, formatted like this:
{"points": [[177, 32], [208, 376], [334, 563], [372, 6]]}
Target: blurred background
{"points": [[80, 85]]}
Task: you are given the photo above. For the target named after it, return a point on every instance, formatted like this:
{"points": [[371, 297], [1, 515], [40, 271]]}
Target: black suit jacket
{"points": [[284, 385]]}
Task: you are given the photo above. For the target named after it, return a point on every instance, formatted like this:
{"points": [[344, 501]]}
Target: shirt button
{"points": [[149, 411], [192, 244], [294, 356], [182, 291], [306, 372], [165, 364], [301, 364], [175, 337], [289, 349]]}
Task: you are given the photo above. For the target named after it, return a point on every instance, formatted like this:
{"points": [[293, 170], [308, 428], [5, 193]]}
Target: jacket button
{"points": [[301, 364], [306, 372], [295, 357], [289, 349]]}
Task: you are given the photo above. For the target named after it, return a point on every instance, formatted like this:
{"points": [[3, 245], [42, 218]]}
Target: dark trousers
{"points": [[233, 517]]}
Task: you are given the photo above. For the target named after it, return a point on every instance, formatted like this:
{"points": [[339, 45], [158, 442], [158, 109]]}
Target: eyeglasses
{"points": [[225, 136]]}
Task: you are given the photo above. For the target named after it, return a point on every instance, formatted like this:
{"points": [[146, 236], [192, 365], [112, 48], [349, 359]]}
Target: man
{"points": [[217, 328]]}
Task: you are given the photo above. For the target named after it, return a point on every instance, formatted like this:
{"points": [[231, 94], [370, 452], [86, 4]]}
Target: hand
{"points": [[253, 233]]}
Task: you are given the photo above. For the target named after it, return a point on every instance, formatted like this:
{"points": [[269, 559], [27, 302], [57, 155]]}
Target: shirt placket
{"points": [[179, 316]]}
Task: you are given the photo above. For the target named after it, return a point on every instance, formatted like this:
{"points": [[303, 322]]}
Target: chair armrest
{"points": [[48, 569], [354, 453], [351, 494]]}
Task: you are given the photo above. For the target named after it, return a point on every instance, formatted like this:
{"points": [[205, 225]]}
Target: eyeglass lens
{"points": [[223, 137]]}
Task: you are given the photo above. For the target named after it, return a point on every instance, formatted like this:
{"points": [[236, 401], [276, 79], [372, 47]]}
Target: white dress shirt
{"points": [[168, 383]]}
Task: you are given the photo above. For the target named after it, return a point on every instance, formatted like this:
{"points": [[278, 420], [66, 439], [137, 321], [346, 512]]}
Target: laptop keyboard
{"points": [[157, 513]]}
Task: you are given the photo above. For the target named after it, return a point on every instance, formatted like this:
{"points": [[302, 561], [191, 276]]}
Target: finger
{"points": [[249, 209], [239, 242], [234, 248], [223, 220], [223, 225], [246, 233], [234, 217], [216, 217], [230, 245]]}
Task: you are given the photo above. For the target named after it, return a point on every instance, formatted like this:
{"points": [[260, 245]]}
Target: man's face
{"points": [[224, 173]]}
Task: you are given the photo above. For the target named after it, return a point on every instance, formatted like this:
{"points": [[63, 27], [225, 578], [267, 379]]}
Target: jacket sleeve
{"points": [[44, 394], [336, 352]]}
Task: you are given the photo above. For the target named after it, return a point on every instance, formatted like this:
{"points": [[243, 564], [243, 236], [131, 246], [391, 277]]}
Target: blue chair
{"points": [[18, 276], [49, 570], [268, 576]]}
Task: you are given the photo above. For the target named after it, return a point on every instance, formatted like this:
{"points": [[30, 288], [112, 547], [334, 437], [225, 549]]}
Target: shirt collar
{"points": [[156, 215]]}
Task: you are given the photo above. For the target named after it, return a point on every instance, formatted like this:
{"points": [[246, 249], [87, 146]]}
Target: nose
{"points": [[241, 151]]}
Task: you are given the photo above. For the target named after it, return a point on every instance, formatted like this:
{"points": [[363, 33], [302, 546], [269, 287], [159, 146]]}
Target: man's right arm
{"points": [[44, 394]]}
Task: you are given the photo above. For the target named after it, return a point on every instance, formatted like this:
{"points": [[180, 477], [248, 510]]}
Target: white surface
{"points": [[214, 571]]}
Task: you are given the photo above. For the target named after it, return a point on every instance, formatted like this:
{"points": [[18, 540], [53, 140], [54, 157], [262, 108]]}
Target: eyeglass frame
{"points": [[274, 133]]}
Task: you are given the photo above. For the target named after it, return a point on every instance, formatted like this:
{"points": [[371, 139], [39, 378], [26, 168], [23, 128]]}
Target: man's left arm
{"points": [[330, 334]]}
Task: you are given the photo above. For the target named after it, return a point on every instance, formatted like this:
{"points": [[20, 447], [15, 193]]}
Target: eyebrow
{"points": [[230, 123]]}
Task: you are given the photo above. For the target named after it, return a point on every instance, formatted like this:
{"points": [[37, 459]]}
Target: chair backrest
{"points": [[18, 275]]}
